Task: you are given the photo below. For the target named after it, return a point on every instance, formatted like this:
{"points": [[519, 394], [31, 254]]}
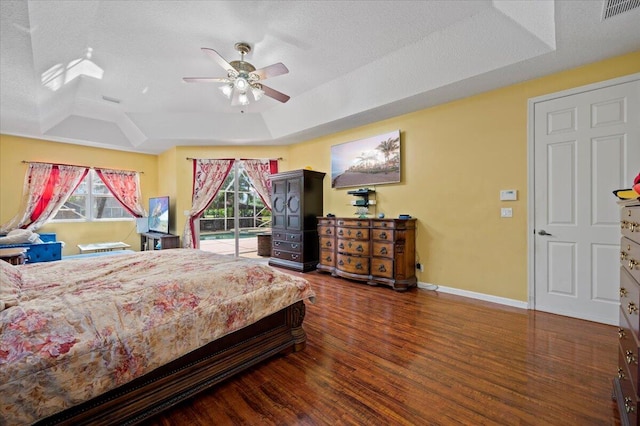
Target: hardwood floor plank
{"points": [[377, 357]]}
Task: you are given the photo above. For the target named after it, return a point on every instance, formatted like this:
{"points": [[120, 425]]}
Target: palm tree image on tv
{"points": [[369, 161]]}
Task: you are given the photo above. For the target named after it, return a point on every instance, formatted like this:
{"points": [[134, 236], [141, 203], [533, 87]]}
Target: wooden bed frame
{"points": [[164, 387]]}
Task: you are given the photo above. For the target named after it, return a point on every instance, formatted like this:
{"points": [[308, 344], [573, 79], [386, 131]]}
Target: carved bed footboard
{"points": [[199, 370]]}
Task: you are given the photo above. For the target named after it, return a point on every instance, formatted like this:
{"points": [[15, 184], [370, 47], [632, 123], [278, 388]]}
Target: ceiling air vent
{"points": [[616, 7]]}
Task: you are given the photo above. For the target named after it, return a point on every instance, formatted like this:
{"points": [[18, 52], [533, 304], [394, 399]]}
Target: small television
{"points": [[159, 214]]}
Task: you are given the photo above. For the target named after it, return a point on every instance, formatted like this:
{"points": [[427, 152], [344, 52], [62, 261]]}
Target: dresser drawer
{"points": [[383, 249], [352, 264], [382, 234], [327, 242], [286, 255], [630, 223], [360, 248], [325, 221], [384, 224], [629, 301], [355, 223], [357, 233], [287, 246], [628, 353], [629, 404], [630, 257], [382, 267], [327, 258], [326, 231]]}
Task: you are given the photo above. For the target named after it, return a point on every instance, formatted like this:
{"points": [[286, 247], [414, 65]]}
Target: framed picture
{"points": [[371, 161]]}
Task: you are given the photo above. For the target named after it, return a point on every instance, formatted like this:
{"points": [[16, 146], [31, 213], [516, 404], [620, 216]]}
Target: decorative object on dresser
{"points": [[296, 200], [158, 241], [363, 201], [378, 251], [626, 389]]}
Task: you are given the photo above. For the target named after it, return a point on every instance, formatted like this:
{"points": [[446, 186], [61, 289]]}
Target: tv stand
{"points": [[158, 241]]}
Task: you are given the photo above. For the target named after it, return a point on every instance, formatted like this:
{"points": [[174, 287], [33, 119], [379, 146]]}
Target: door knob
{"points": [[543, 232]]}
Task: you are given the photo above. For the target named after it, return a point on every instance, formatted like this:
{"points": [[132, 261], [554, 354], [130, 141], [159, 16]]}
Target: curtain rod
{"points": [[75, 165], [190, 158]]}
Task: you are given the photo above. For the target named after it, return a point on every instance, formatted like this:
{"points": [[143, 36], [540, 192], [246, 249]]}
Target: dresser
{"points": [[378, 251], [296, 202], [626, 385]]}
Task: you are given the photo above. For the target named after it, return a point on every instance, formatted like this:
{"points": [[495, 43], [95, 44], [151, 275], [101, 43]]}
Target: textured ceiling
{"points": [[350, 63]]}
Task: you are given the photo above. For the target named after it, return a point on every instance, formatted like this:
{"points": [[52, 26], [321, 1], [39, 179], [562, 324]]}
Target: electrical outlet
{"points": [[420, 267]]}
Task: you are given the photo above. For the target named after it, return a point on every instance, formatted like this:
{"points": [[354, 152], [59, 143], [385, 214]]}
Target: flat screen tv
{"points": [[159, 214]]}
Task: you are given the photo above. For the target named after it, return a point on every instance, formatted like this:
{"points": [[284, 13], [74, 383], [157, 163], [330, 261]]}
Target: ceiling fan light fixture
{"points": [[243, 99], [241, 84], [227, 90], [257, 93]]}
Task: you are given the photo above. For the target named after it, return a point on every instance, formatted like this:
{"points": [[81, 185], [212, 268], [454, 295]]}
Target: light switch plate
{"points": [[508, 195], [506, 212]]}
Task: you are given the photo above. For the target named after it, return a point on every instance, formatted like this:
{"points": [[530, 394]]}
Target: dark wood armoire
{"points": [[296, 202]]}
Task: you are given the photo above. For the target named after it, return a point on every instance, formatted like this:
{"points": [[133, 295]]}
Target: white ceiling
{"points": [[350, 63]]}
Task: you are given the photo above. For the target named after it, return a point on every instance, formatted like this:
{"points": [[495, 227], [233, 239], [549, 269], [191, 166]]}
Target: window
{"points": [[92, 201]]}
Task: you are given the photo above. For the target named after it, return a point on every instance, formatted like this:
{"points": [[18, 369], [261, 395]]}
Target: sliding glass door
{"points": [[234, 219]]}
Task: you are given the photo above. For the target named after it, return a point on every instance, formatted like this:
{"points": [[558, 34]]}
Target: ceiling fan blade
{"points": [[205, 80], [271, 71], [272, 93], [216, 57]]}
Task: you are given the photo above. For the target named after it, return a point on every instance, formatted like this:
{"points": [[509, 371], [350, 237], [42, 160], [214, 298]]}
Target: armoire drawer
{"points": [[286, 255], [295, 247]]}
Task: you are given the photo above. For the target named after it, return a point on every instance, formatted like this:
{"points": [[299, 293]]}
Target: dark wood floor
{"points": [[378, 357]]}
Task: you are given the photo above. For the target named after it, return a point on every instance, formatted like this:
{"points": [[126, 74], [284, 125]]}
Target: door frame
{"points": [[531, 168]]}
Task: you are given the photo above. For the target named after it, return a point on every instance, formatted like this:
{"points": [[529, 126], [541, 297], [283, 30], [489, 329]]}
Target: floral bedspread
{"points": [[82, 327]]}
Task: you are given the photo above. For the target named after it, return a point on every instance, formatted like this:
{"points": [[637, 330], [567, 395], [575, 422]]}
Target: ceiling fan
{"points": [[242, 77]]}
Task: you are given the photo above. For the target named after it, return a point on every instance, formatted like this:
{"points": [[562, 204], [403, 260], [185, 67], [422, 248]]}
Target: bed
{"points": [[117, 339]]}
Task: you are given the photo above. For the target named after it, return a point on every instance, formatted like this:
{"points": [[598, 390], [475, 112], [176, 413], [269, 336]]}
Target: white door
{"points": [[585, 146]]}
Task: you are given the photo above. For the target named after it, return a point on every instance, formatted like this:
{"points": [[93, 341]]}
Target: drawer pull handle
{"points": [[623, 255], [295, 246], [328, 244], [359, 234], [294, 256], [359, 224], [621, 333], [632, 264], [277, 253], [623, 292], [382, 269], [623, 224], [276, 243], [341, 245], [341, 263], [383, 250], [328, 258], [628, 405], [360, 249], [359, 266], [621, 375], [383, 235], [632, 308], [340, 232], [328, 232], [630, 357], [633, 226]]}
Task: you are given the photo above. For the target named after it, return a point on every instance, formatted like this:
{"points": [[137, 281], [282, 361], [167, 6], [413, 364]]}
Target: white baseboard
{"points": [[474, 295]]}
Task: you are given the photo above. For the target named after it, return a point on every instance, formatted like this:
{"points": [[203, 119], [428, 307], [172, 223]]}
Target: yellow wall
{"points": [[13, 150], [456, 158]]}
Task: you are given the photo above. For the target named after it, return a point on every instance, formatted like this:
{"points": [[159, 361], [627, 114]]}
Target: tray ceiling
{"points": [[109, 73]]}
